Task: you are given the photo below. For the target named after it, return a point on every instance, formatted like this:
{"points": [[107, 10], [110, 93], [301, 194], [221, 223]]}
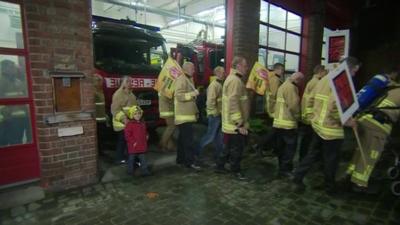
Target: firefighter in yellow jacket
{"points": [[286, 115], [328, 133], [235, 113], [122, 99], [166, 109], [305, 129], [213, 108], [374, 126], [186, 114], [275, 78]]}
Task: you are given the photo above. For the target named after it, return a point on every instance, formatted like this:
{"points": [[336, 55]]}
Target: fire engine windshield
{"points": [[119, 55]]}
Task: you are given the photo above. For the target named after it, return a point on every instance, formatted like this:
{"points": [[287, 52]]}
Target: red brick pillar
{"points": [[313, 31], [59, 37], [243, 19]]}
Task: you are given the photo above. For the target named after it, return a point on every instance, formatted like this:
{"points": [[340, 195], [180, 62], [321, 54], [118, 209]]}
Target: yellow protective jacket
{"points": [[325, 120], [214, 98], [184, 100], [287, 108], [121, 101], [270, 94], [306, 101], [392, 99], [235, 103], [165, 106]]}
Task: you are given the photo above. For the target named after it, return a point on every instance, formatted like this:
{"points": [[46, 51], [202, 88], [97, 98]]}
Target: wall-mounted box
{"points": [[66, 90]]}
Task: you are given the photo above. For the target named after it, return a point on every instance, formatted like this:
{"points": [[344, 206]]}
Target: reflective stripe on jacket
{"points": [[287, 108], [307, 101], [214, 98], [235, 104], [184, 102], [165, 106], [326, 121]]}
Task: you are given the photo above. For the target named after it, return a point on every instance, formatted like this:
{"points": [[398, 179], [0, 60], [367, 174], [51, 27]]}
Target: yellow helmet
{"points": [[133, 110]]}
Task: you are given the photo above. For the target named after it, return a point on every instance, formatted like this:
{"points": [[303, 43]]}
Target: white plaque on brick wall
{"points": [[70, 131]]}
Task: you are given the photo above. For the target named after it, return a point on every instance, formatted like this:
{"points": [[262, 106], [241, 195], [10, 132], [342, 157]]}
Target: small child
{"points": [[136, 139]]}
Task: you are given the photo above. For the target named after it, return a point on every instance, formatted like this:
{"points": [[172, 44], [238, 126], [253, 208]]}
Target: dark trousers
{"points": [[233, 150], [185, 152], [141, 159], [305, 136], [121, 153], [330, 154], [286, 146]]}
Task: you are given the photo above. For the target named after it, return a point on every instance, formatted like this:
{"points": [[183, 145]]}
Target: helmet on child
{"points": [[133, 110]]}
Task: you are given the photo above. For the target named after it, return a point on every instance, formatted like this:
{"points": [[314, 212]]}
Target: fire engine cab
{"points": [[126, 48]]}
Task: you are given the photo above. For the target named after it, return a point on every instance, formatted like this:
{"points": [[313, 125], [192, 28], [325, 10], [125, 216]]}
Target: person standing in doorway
{"points": [[186, 114], [122, 99]]}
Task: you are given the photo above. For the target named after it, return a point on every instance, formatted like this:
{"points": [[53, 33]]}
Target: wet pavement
{"points": [[178, 196]]}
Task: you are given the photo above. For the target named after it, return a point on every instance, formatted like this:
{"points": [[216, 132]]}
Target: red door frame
{"points": [[22, 160]]}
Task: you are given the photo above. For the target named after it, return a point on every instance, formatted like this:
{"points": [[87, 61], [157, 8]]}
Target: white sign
{"points": [[137, 82], [143, 102], [69, 131], [343, 89]]}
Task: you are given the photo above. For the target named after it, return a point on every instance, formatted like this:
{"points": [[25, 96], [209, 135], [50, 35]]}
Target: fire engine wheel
{"points": [[396, 188], [393, 172]]}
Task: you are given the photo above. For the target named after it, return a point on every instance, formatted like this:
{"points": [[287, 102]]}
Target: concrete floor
{"points": [[178, 196]]}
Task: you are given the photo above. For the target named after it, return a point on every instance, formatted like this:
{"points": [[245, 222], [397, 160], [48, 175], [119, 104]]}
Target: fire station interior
{"points": [[61, 62]]}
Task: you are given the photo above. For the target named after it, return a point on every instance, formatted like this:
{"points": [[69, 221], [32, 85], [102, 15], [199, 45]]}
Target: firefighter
{"points": [[122, 99], [328, 133], [286, 115], [235, 114], [102, 120], [275, 81], [305, 129], [101, 117], [186, 114], [374, 126], [166, 109], [14, 119], [213, 108]]}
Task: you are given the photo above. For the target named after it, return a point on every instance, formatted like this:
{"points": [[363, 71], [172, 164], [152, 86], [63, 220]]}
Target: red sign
{"points": [[345, 94], [336, 48]]}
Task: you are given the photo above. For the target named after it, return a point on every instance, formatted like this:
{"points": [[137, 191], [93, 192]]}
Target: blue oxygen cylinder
{"points": [[372, 90]]}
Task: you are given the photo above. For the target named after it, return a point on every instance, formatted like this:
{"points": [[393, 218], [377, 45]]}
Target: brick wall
{"points": [[313, 32], [59, 37], [246, 29]]}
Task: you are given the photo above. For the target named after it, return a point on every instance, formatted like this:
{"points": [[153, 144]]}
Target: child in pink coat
{"points": [[136, 138]]}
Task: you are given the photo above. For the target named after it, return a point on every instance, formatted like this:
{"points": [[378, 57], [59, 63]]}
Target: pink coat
{"points": [[136, 137]]}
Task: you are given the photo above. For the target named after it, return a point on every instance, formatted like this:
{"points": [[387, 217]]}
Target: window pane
{"points": [[264, 11], [15, 125], [292, 62], [262, 35], [292, 42], [277, 16], [262, 55], [10, 26], [294, 22], [276, 38], [12, 77], [275, 57]]}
